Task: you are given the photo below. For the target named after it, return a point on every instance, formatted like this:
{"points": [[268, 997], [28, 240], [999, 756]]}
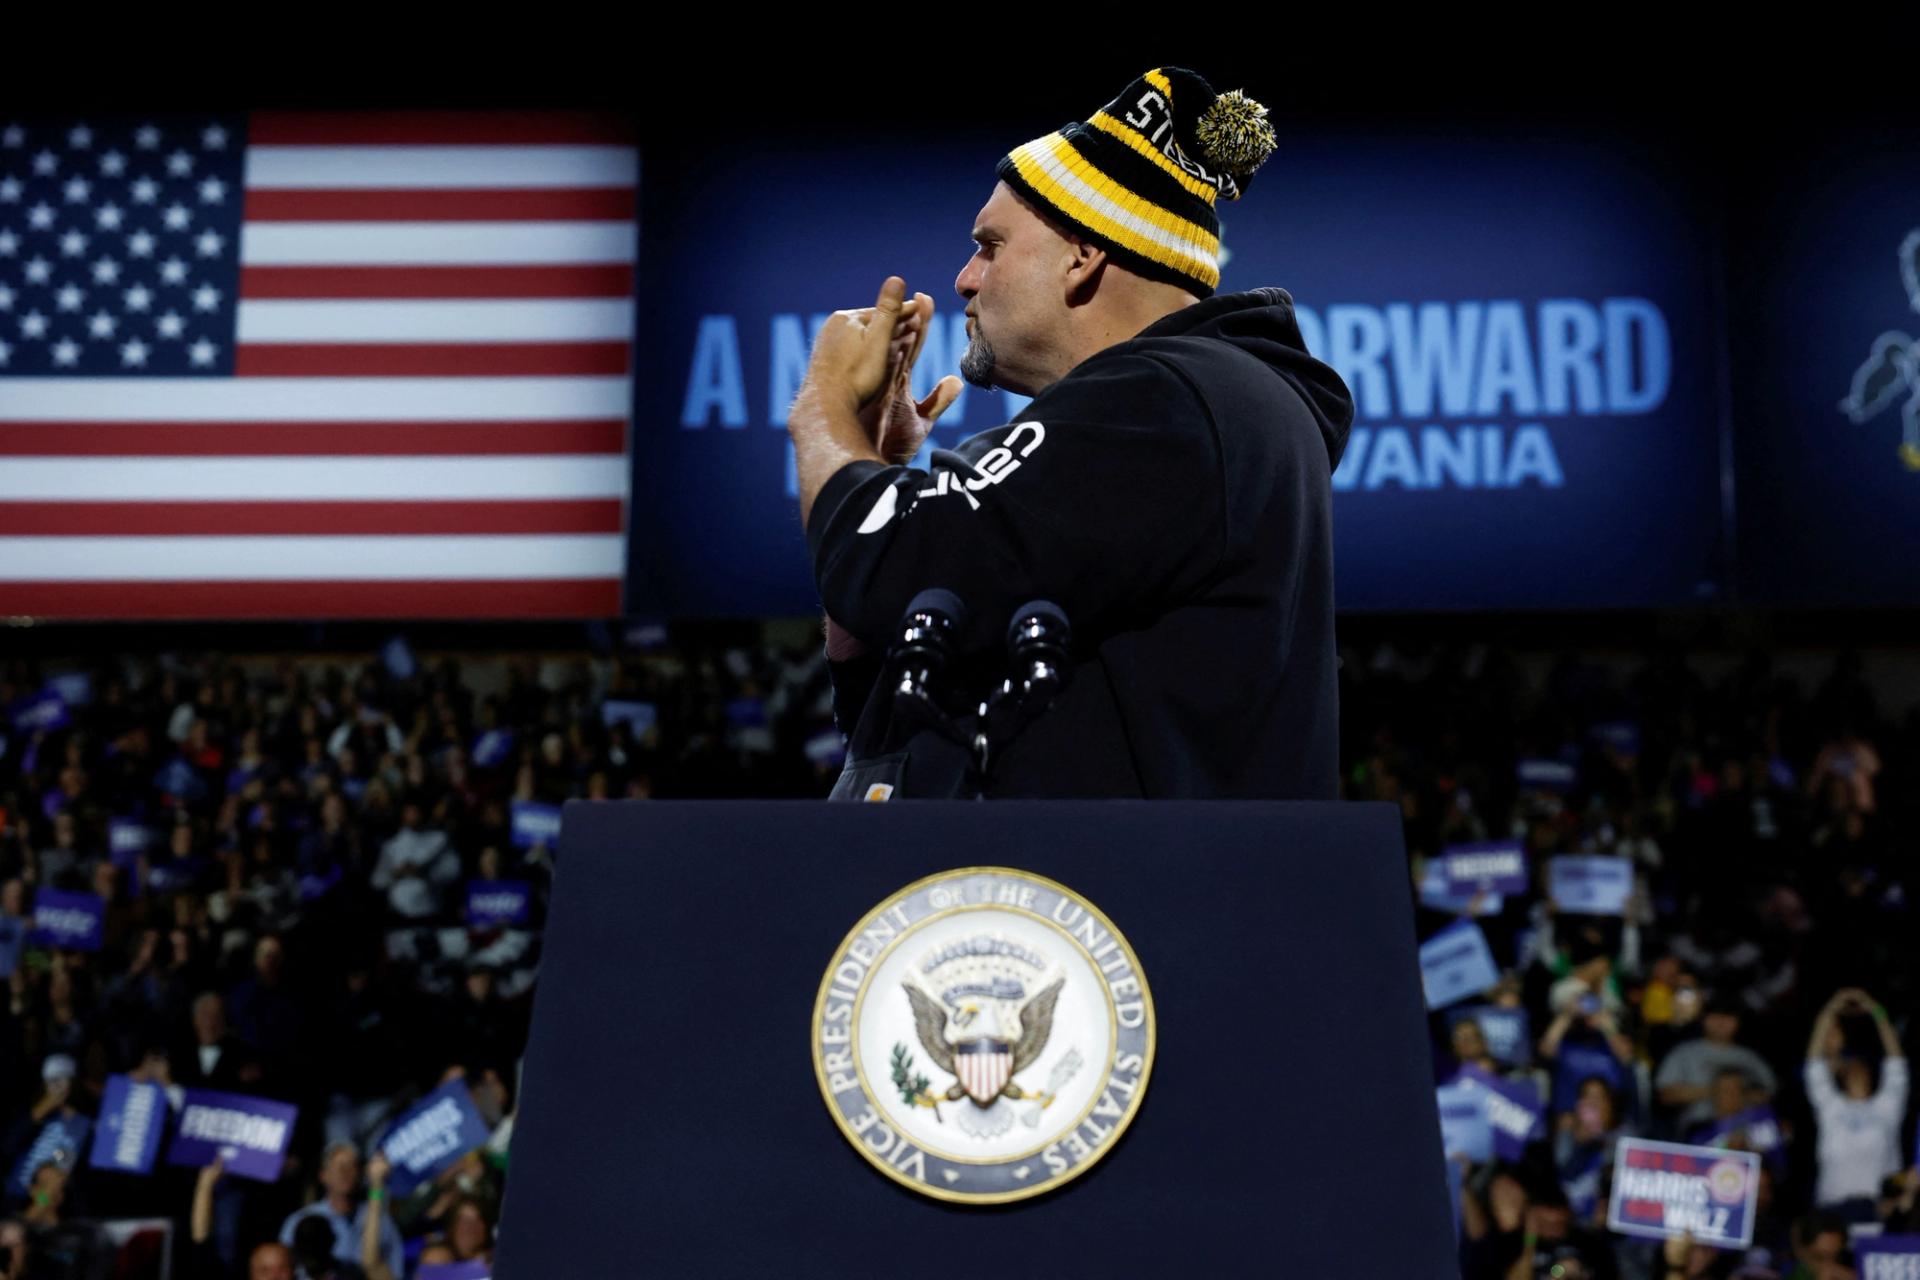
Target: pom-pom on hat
{"points": [[1141, 176]]}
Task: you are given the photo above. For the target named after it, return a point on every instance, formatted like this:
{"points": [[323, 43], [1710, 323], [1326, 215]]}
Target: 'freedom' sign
{"points": [[495, 902], [440, 1129], [250, 1134], [1888, 1257], [535, 823], [128, 1136], [1664, 1189], [1498, 866]]}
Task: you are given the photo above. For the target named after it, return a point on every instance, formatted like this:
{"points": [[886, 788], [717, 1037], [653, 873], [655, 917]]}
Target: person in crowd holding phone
{"points": [[1858, 1120]]}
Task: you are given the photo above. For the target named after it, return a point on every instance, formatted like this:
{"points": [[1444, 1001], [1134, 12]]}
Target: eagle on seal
{"points": [[985, 1059]]}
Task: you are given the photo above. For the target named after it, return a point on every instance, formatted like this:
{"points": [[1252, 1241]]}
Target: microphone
{"points": [[923, 652], [1039, 640]]}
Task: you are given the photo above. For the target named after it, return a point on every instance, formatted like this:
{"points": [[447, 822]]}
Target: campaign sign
{"points": [[637, 716], [69, 921], [1436, 894], [1546, 775], [45, 710], [1590, 884], [1664, 1189], [1756, 1129], [1496, 865], [1514, 1111], [132, 1114], [497, 902], [1464, 1129], [61, 1140], [126, 839], [1887, 1257], [1506, 1031], [535, 823], [472, 1269], [432, 1136], [1456, 963], [74, 687], [491, 749], [251, 1134], [1622, 735]]}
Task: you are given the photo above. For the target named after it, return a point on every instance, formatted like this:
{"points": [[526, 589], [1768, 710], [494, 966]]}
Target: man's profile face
{"points": [[1013, 289]]}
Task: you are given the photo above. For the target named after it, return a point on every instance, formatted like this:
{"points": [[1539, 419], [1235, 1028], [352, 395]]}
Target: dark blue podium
{"points": [[672, 1124]]}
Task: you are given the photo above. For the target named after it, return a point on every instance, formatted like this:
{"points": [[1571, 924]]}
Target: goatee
{"points": [[976, 366]]}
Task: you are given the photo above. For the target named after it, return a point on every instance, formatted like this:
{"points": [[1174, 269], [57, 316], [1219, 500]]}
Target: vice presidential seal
{"points": [[983, 1035]]}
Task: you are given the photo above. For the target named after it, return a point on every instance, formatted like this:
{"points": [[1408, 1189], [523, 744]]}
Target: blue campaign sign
{"points": [[535, 823], [132, 1115], [68, 921], [1546, 775], [1665, 1189], [440, 1129], [1439, 894], [492, 748], [637, 716], [1755, 1129], [1887, 1257], [1826, 377], [1496, 865], [1456, 963], [1464, 1129], [1590, 884], [1560, 350], [74, 687], [46, 710], [472, 1269], [60, 1140], [1505, 1029], [498, 902], [1515, 1112], [250, 1134]]}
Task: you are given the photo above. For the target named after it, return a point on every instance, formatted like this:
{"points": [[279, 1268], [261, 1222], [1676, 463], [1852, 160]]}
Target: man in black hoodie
{"points": [[1169, 486]]}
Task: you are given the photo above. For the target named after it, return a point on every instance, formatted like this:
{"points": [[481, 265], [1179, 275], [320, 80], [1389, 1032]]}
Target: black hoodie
{"points": [[1172, 494]]}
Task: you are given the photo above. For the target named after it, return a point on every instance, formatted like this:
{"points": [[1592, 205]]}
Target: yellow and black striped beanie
{"points": [[1141, 176]]}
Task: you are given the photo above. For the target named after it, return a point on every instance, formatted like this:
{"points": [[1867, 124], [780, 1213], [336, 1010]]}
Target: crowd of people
{"points": [[283, 847]]}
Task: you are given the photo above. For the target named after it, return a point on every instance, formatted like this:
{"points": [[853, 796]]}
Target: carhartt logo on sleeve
{"points": [[995, 465]]}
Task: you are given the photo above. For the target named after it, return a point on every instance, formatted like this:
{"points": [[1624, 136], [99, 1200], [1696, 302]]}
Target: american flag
{"points": [[315, 365]]}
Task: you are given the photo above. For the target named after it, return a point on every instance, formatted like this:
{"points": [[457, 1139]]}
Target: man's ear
{"points": [[1086, 262]]}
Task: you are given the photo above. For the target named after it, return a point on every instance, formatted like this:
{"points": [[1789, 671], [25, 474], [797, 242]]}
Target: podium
{"points": [[672, 1120]]}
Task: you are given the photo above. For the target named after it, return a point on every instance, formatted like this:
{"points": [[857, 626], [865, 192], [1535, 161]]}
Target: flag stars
{"points": [[170, 325], [107, 217], [73, 244], [69, 298], [112, 164], [138, 298], [213, 138], [6, 298], [177, 216], [202, 352], [144, 190], [13, 136], [8, 243], [213, 191], [147, 138], [6, 353], [80, 137], [206, 298], [9, 189], [46, 164], [179, 164], [106, 271], [173, 271], [78, 189], [66, 352], [40, 217], [133, 353], [140, 244], [102, 324], [39, 270], [210, 243], [33, 325]]}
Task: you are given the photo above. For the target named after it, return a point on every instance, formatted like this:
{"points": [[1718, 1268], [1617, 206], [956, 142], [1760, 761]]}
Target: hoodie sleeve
{"points": [[1106, 498]]}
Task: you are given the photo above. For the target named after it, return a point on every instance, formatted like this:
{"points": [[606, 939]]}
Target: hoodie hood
{"points": [[1261, 323]]}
